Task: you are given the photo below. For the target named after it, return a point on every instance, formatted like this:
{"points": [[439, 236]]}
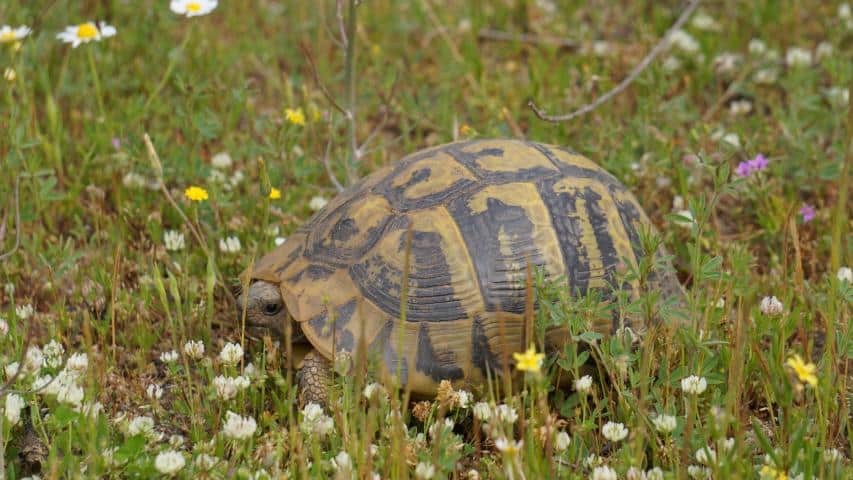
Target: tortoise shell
{"points": [[479, 211]]}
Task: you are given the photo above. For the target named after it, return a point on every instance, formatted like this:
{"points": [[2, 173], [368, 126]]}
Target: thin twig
{"points": [[308, 56], [662, 45], [498, 35], [17, 221], [327, 161]]}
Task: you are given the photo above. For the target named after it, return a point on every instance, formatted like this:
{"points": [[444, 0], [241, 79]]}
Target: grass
{"points": [[93, 263]]}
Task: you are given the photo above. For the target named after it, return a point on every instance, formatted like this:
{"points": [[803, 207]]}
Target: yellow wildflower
{"points": [[275, 194], [805, 371], [529, 361], [769, 473], [196, 194], [465, 130], [295, 116]]}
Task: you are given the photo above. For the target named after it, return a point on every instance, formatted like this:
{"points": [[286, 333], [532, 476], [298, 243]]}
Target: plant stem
{"points": [[168, 73], [97, 82], [349, 76]]}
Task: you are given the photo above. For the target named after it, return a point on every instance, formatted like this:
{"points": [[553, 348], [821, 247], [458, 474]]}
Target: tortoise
{"points": [[469, 217]]}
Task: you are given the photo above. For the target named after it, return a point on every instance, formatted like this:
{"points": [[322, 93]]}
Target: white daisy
{"points": [[85, 33], [193, 8], [9, 34]]}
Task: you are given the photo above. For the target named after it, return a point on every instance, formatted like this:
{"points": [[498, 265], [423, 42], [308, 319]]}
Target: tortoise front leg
{"points": [[313, 379]]}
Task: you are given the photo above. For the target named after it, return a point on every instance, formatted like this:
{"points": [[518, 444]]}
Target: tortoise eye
{"points": [[272, 308]]}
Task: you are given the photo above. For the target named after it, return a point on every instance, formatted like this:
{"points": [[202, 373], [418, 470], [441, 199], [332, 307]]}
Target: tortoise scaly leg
{"points": [[314, 378]]}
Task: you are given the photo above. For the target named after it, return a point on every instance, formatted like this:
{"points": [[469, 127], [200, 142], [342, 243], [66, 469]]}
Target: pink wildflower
{"points": [[808, 212], [758, 163], [743, 169]]}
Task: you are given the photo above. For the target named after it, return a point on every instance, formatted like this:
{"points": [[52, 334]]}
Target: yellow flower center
{"points": [[7, 36], [87, 31], [193, 7]]}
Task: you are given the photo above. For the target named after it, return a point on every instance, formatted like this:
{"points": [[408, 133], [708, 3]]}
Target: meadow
{"points": [[151, 151]]}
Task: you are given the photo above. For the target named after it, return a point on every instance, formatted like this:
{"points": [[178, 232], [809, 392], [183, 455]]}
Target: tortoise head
{"points": [[265, 311]]}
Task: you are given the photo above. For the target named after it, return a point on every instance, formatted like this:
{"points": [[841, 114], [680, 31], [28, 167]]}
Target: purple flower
{"points": [[743, 169], [808, 212], [116, 143], [758, 163]]}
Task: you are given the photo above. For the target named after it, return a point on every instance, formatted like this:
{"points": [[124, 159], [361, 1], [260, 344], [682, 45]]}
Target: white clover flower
{"points": [[508, 446], [592, 460], [91, 409], [766, 76], [482, 411], [678, 202], [45, 385], [563, 441], [614, 431], [222, 161], [697, 472], [706, 456], [279, 240], [838, 96], [844, 275], [236, 179], [603, 473], [231, 354], [11, 370], [342, 463], [506, 413], [583, 384], [654, 474], [176, 441], [24, 311], [33, 360], [194, 349], [726, 63], [832, 455], [4, 327], [193, 8], [229, 244], [601, 48], [694, 384], [732, 139], [251, 372], [740, 107], [134, 180], [173, 240], [67, 389], [228, 387], [217, 177], [142, 425], [798, 57], [13, 406], [317, 203], [169, 462], [77, 364], [771, 306], [154, 391], [463, 398], [721, 303], [757, 46], [9, 289], [206, 462], [53, 352], [683, 41], [372, 390], [425, 471], [314, 421], [9, 34], [237, 427], [169, 357], [665, 423], [85, 33], [703, 21], [823, 50], [671, 64]]}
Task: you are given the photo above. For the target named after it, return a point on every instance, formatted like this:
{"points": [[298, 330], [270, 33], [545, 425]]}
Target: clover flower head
{"points": [[808, 212]]}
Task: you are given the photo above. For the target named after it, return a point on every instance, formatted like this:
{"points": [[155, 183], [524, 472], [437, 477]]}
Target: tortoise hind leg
{"points": [[314, 378]]}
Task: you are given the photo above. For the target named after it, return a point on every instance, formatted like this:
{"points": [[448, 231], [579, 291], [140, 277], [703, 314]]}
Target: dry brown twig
{"points": [[662, 45], [501, 36]]}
